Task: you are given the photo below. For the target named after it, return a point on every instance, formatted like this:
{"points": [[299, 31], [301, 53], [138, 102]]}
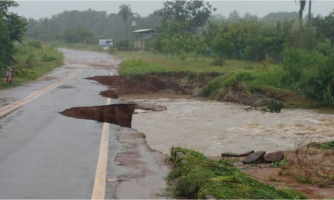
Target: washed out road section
{"points": [[44, 154]]}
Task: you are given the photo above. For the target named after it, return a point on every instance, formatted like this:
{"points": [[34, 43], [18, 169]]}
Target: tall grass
{"points": [[31, 62]]}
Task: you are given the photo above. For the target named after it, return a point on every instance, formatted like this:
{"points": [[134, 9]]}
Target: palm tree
{"points": [[125, 12], [309, 13], [302, 4]]}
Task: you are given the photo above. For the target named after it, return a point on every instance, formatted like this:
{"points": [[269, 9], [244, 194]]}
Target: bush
{"points": [[112, 50], [30, 59], [47, 58], [310, 73], [124, 45], [36, 44]]}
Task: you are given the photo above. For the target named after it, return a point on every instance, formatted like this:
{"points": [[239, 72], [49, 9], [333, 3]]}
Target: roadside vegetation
{"points": [[29, 58], [31, 61], [195, 176]]}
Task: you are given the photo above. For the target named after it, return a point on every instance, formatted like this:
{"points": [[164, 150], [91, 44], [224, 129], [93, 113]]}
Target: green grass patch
{"points": [[195, 176], [327, 145], [31, 62], [160, 63]]}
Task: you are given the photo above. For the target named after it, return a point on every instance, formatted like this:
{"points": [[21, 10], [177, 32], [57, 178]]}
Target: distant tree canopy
{"points": [[125, 13], [98, 22], [196, 13], [12, 28], [324, 26]]}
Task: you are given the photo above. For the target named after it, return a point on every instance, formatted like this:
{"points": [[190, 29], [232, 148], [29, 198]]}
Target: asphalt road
{"points": [[44, 154]]}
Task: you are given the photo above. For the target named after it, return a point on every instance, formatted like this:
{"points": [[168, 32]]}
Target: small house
{"points": [[142, 35]]}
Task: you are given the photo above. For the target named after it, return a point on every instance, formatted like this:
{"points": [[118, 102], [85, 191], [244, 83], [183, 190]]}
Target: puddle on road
{"points": [[215, 127]]}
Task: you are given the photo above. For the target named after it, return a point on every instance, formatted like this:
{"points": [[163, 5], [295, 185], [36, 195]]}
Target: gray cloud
{"points": [[39, 9]]}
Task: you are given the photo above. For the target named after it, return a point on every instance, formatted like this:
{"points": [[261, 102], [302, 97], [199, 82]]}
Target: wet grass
{"points": [[31, 63], [194, 176], [251, 75]]}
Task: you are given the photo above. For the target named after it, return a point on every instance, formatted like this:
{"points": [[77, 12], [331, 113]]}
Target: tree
{"points": [[125, 13], [302, 4], [324, 26], [196, 13], [12, 28], [234, 17], [222, 45]]}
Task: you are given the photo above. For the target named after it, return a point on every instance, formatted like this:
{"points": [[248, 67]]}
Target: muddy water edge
{"points": [[206, 126]]}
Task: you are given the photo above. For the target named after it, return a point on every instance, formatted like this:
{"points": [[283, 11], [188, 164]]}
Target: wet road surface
{"points": [[44, 154]]}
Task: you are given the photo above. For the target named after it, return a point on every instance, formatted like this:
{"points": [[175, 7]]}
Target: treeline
{"points": [[84, 26]]}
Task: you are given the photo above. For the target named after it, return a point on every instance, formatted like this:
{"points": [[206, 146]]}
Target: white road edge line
{"points": [[101, 169]]}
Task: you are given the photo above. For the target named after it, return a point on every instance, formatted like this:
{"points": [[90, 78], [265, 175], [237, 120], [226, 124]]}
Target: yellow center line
{"points": [[101, 169], [6, 109]]}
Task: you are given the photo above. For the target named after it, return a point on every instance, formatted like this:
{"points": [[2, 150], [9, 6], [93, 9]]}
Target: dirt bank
{"points": [[120, 114], [112, 93]]}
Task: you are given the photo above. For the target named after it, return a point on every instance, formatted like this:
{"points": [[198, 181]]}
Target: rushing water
{"points": [[215, 127]]}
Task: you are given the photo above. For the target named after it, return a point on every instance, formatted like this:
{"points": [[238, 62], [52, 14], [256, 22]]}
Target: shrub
{"points": [[36, 44], [30, 59], [47, 58], [112, 50]]}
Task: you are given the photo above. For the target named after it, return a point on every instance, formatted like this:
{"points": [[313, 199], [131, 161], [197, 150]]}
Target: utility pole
{"points": [[309, 13]]}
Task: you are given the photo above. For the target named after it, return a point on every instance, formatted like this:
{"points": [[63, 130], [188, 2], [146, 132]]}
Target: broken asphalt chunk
{"points": [[229, 154], [274, 157], [256, 157]]}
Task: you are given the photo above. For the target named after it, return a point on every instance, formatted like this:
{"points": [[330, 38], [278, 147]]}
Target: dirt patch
{"points": [[147, 168], [112, 93], [120, 114], [141, 85], [293, 176]]}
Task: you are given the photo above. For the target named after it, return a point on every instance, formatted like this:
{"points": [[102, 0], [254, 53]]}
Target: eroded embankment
{"points": [[112, 93], [120, 114], [172, 82]]}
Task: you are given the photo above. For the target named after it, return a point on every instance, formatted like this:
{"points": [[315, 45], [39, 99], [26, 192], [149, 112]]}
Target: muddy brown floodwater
{"points": [[215, 127]]}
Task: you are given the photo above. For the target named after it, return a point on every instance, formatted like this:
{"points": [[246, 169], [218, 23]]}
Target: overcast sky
{"points": [[39, 9]]}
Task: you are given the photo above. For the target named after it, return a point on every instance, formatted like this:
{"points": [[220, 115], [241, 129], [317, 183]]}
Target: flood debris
{"points": [[229, 154], [273, 157], [120, 114], [256, 157], [273, 106]]}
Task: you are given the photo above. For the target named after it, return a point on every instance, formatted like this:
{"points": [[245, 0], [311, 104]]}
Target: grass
{"points": [[254, 77], [30, 64], [195, 176], [159, 63]]}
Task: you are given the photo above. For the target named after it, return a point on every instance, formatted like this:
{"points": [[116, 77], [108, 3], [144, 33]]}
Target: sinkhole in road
{"points": [[120, 114]]}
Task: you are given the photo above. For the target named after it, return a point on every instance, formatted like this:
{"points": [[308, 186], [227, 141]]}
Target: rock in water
{"points": [[274, 157], [256, 157]]}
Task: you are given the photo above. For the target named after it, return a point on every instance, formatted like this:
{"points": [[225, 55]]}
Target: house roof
{"points": [[143, 31]]}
